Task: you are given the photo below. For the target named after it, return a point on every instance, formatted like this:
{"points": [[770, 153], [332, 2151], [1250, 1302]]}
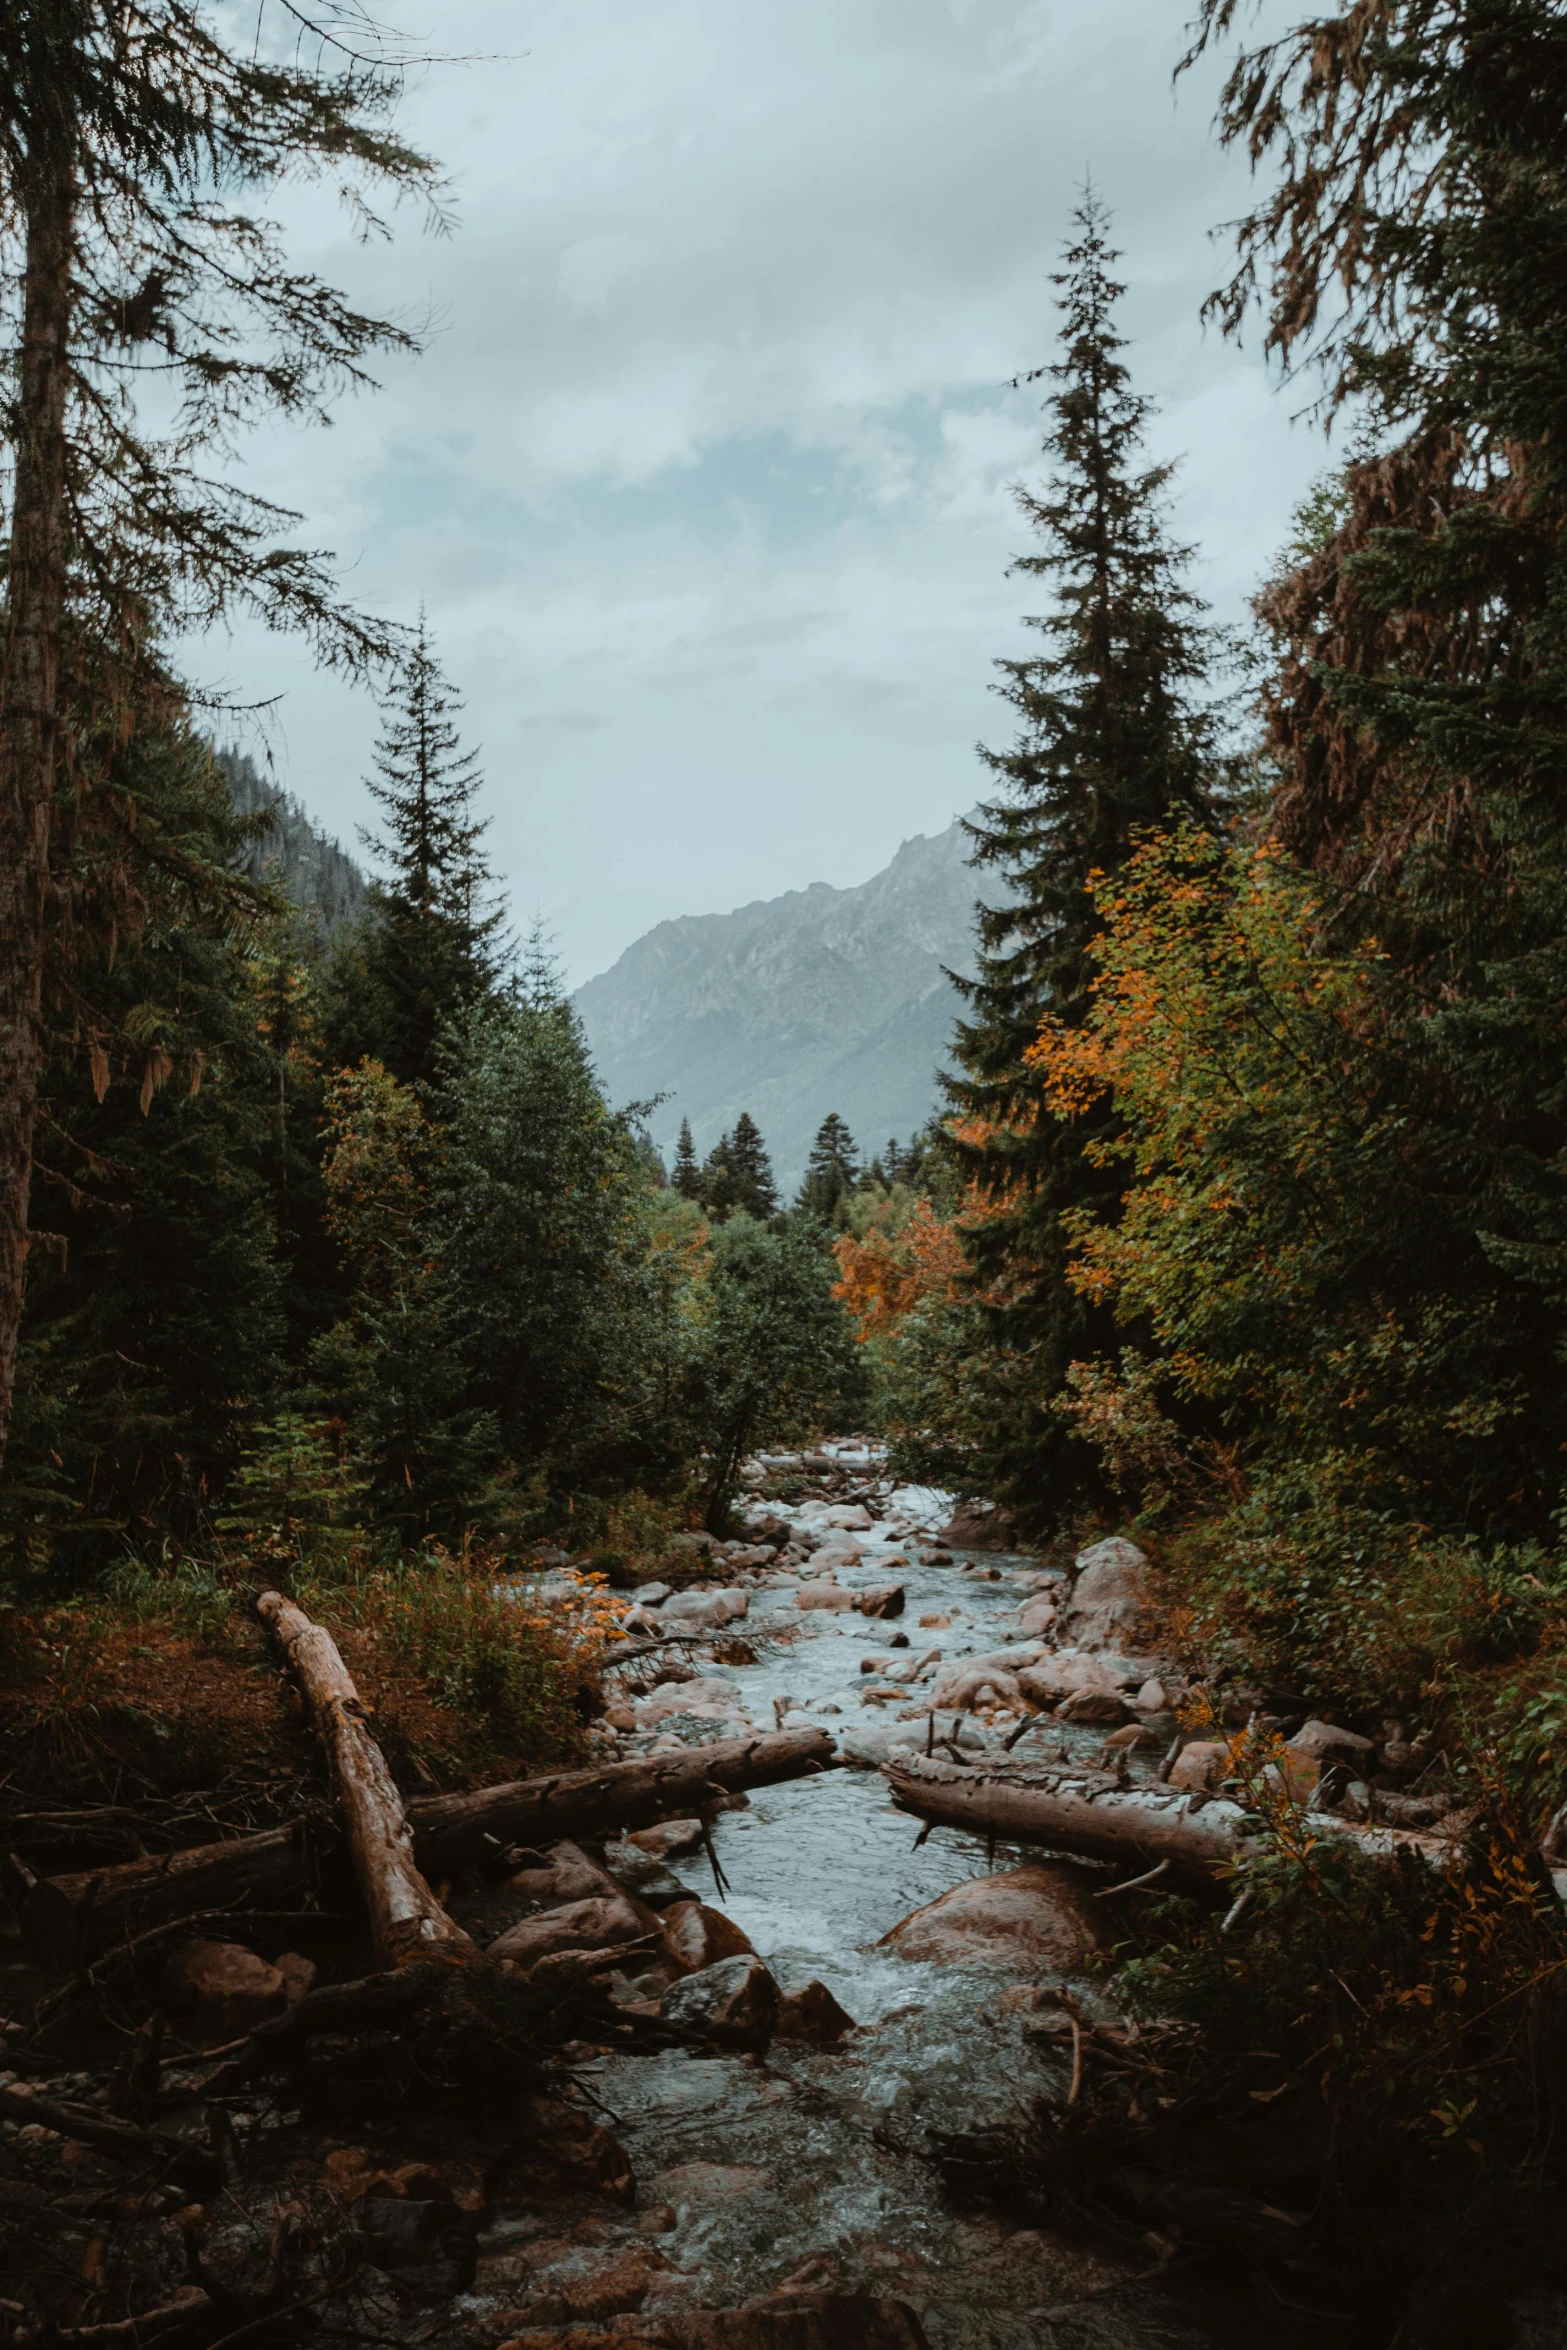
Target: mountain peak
{"points": [[824, 998]]}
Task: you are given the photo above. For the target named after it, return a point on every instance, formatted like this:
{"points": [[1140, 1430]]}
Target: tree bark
{"points": [[30, 655], [1202, 1838], [406, 1920], [455, 1829], [69, 1920]]}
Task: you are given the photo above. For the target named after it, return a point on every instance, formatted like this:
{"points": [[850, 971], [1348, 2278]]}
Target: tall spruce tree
{"points": [[831, 1172], [430, 946], [687, 1175], [1111, 739], [739, 1175]]}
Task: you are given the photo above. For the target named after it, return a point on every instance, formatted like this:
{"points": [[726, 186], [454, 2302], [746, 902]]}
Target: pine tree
{"points": [[429, 948], [687, 1176], [756, 1193], [1109, 741], [137, 148], [831, 1172]]}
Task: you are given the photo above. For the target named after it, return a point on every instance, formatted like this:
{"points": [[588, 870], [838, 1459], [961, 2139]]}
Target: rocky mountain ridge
{"points": [[791, 1007]]}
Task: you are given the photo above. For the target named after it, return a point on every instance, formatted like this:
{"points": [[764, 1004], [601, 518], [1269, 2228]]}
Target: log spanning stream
{"points": [[814, 2165]]}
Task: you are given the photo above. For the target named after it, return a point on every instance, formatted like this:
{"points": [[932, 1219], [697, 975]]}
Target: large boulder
{"points": [[1325, 1742], [1042, 1916], [978, 1525], [1038, 1614], [696, 1937], [220, 1990], [703, 1611], [853, 1516], [881, 1599], [596, 1924], [1111, 1604], [733, 2004], [965, 1686]]}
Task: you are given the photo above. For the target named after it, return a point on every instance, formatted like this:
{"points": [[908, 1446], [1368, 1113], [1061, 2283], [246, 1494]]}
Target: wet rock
{"points": [[827, 1598], [1052, 1678], [1201, 1765], [567, 1873], [1152, 1698], [1037, 1615], [1039, 1916], [853, 1516], [220, 1990], [833, 1555], [882, 1599], [706, 2182], [1326, 1742], [561, 2151], [733, 2004], [718, 1700], [1111, 1605], [696, 1937], [703, 1611], [644, 1875], [935, 1623], [814, 2016], [649, 1594], [597, 1924], [1092, 1706], [965, 1687], [435, 2239], [669, 1838], [978, 1525]]}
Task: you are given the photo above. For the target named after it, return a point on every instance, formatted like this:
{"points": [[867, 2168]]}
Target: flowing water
{"points": [[815, 2165]]}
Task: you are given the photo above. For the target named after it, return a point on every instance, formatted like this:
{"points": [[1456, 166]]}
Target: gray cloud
{"points": [[704, 475]]}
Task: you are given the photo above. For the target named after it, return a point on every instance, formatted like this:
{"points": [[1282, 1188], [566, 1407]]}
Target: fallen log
{"points": [[68, 1921], [406, 1920], [453, 1830], [1202, 1838]]}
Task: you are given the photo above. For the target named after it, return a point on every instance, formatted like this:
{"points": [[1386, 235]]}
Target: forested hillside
{"points": [[424, 1514]]}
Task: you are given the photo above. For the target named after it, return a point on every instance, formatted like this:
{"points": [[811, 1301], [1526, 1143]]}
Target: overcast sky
{"points": [[703, 476]]}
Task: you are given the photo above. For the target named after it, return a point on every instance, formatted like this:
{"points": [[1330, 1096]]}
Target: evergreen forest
{"points": [[1238, 1233]]}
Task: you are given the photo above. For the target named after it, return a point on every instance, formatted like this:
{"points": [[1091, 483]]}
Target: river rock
{"points": [[1111, 1604], [668, 1839], [734, 2003], [703, 1611], [1326, 1742], [696, 1937], [964, 1687], [718, 1700], [1066, 1674], [1039, 1916], [568, 1874], [580, 1925], [1092, 1706], [1201, 1765], [1038, 1614], [852, 1515], [814, 2016], [436, 2240], [221, 1990], [828, 1598], [649, 1594], [978, 1525], [882, 1599], [562, 2151]]}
